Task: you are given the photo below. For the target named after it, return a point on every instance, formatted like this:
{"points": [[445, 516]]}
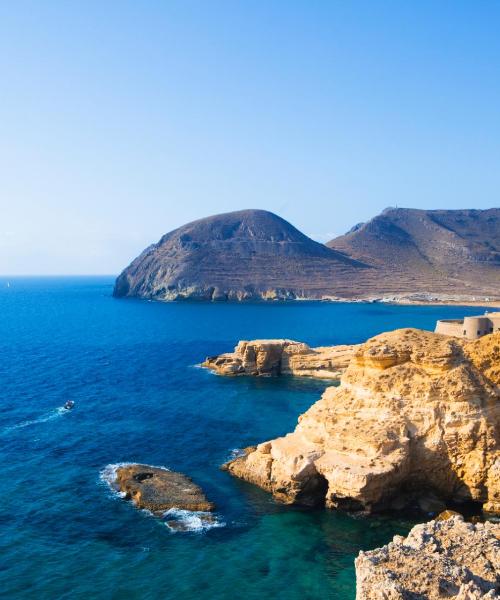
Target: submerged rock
{"points": [[282, 357], [439, 559], [159, 490], [415, 412]]}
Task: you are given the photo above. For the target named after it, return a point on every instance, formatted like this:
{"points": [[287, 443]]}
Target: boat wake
{"points": [[53, 414]]}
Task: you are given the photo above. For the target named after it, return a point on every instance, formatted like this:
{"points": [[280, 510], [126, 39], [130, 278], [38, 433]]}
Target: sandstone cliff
{"points": [[439, 559], [282, 357], [416, 412]]}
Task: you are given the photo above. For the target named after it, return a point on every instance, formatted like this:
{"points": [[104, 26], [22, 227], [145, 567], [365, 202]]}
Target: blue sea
{"points": [[131, 368]]}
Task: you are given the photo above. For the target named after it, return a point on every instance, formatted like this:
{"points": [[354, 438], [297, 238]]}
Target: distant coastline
{"points": [[401, 256]]}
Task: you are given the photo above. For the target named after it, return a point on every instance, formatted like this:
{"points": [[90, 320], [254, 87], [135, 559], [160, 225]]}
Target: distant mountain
{"points": [[254, 254], [431, 251], [249, 254]]}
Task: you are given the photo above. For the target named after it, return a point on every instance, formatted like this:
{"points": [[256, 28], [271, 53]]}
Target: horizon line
{"points": [[5, 276]]}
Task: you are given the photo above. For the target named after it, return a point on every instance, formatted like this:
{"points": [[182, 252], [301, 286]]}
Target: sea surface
{"points": [[131, 368]]}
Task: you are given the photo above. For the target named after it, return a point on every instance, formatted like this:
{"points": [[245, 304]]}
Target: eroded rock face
{"points": [[282, 357], [439, 559], [415, 412], [159, 490]]}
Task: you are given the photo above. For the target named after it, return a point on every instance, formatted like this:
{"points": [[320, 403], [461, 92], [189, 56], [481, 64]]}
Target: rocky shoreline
{"points": [[415, 412], [440, 559], [414, 424], [282, 357]]}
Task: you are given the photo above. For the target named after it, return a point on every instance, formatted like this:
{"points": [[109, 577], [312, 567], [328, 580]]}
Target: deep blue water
{"points": [[129, 366]]}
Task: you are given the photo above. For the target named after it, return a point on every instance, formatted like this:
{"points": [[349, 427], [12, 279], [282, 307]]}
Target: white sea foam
{"points": [[235, 453], [53, 414], [108, 476], [177, 520]]}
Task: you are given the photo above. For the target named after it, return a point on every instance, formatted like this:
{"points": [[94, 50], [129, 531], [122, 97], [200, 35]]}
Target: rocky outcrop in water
{"points": [[159, 490], [282, 357], [439, 559], [416, 413]]}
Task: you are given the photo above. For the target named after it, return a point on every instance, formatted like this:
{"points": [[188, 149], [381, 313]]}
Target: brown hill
{"points": [[427, 251], [249, 254]]}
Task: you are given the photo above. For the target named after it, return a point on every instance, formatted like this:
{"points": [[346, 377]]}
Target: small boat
{"points": [[68, 405]]}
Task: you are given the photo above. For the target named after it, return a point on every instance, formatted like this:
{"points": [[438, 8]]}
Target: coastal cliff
{"points": [[282, 357], [439, 559], [416, 413]]}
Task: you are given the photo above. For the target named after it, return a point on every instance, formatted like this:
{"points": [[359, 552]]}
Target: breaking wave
{"points": [[177, 519]]}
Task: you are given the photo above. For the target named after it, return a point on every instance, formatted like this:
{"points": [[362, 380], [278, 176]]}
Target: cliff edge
{"points": [[416, 412], [282, 357], [439, 559]]}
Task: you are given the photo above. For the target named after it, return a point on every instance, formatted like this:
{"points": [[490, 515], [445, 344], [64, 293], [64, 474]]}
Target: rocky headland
{"points": [[402, 255], [440, 559], [243, 255], [282, 357], [158, 490], [417, 415]]}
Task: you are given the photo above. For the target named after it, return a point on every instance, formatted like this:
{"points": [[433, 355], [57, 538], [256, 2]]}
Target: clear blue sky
{"points": [[120, 121]]}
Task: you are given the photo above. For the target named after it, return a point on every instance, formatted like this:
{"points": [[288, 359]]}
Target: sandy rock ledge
{"points": [[282, 357]]}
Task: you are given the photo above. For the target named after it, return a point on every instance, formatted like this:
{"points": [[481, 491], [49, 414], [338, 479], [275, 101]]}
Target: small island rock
{"points": [[159, 490]]}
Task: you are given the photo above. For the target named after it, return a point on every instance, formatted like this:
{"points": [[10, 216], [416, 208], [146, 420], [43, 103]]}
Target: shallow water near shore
{"points": [[130, 367]]}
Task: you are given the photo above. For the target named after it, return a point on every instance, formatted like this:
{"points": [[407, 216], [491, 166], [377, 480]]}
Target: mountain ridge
{"points": [[254, 254]]}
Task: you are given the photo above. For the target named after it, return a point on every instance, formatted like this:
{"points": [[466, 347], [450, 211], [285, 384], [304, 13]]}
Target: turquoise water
{"points": [[130, 367]]}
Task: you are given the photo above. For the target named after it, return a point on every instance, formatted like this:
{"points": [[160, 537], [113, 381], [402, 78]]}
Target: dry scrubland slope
{"points": [[440, 251]]}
